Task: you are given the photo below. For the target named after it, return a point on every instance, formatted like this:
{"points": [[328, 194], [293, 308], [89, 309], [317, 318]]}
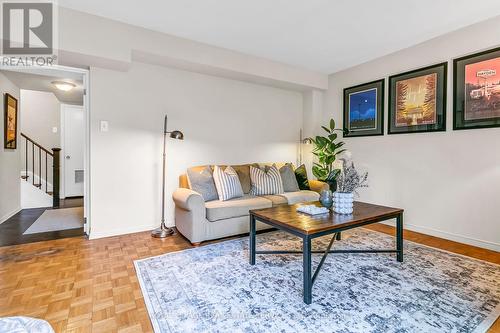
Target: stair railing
{"points": [[40, 157]]}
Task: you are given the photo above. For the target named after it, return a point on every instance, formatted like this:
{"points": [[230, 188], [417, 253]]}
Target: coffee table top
{"points": [[288, 217]]}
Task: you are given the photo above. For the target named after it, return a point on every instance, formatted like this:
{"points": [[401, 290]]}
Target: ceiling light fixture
{"points": [[64, 86]]}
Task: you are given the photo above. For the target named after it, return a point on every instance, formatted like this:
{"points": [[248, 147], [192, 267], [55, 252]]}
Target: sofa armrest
{"points": [[190, 214], [318, 186], [188, 199]]}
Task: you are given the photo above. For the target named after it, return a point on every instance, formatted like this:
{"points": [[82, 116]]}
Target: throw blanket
{"points": [[24, 325]]}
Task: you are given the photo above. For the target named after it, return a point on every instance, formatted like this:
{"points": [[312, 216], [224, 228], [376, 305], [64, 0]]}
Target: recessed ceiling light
{"points": [[64, 86]]}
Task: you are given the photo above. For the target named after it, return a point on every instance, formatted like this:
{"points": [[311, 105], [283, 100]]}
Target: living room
{"points": [[252, 94]]}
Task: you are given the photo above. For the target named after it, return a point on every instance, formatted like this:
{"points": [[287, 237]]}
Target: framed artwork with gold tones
{"points": [[10, 122], [417, 100]]}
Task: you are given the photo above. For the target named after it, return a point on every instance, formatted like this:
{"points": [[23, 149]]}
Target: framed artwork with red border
{"points": [[476, 91]]}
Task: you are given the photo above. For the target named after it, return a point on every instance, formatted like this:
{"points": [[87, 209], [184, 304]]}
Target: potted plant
{"points": [[326, 149], [348, 181]]}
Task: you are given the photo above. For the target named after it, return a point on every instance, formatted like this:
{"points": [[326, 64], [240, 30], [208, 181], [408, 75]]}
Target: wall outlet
{"points": [[104, 126]]}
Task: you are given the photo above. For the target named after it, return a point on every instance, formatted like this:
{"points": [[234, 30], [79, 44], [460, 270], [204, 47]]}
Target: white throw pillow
{"points": [[227, 183], [265, 182]]}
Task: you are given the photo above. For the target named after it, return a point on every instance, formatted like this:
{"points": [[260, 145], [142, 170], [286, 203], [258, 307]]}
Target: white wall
{"points": [[40, 112], [311, 117], [448, 183], [10, 160], [224, 121]]}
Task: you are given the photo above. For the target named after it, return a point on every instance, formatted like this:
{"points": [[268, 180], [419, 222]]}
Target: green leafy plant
{"points": [[326, 149]]}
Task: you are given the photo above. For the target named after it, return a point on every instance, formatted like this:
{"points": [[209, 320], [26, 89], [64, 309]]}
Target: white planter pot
{"points": [[343, 202]]}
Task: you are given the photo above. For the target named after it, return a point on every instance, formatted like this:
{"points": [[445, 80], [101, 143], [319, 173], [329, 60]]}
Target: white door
{"points": [[73, 150]]}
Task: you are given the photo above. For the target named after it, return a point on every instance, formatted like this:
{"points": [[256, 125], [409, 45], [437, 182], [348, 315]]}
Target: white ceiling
{"points": [[37, 82], [321, 35]]}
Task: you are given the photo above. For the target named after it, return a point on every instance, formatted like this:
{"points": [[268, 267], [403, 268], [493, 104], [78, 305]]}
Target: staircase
{"points": [[40, 170]]}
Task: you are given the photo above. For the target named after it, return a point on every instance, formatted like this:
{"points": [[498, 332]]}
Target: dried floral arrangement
{"points": [[349, 180]]}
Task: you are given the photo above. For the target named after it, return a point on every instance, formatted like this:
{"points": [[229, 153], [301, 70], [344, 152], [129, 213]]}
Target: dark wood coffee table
{"points": [[308, 227]]}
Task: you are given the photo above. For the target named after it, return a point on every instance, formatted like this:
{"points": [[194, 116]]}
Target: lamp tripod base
{"points": [[163, 232]]}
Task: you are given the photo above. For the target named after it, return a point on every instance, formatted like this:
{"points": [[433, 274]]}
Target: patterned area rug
{"points": [[214, 289]]}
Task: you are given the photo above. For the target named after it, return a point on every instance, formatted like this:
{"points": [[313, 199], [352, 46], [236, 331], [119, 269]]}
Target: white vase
{"points": [[343, 202]]}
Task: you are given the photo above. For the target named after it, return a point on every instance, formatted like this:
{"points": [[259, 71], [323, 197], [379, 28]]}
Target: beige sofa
{"points": [[200, 221]]}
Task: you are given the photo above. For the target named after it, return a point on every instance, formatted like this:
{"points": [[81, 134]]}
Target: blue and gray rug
{"points": [[214, 289]]}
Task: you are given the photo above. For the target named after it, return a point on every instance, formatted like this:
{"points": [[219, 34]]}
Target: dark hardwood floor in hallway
{"points": [[82, 285], [11, 231]]}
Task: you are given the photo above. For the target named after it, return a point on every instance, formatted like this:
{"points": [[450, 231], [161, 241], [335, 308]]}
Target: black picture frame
{"points": [[378, 87], [460, 96], [439, 125], [9, 143]]}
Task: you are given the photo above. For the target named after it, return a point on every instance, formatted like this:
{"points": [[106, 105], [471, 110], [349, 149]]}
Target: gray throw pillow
{"points": [[202, 181], [288, 178]]}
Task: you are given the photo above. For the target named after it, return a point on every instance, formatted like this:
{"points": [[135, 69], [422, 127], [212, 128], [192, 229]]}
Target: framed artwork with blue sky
{"points": [[364, 109]]}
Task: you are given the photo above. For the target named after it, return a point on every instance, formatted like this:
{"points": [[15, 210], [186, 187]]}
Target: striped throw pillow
{"points": [[227, 183], [265, 182]]}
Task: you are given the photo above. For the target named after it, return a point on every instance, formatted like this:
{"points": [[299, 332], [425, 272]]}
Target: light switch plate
{"points": [[104, 126]]}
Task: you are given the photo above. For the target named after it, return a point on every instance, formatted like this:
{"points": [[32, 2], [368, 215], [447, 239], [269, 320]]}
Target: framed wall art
{"points": [[10, 122], [476, 90], [417, 100], [364, 109]]}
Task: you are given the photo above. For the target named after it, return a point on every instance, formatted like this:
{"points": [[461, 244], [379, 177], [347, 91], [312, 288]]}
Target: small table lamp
{"points": [[164, 231]]}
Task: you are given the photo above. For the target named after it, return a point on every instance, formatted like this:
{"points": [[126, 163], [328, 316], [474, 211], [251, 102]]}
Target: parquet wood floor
{"points": [[91, 286]]}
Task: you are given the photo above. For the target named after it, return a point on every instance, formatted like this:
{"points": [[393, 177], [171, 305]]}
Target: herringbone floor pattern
{"points": [[91, 286]]}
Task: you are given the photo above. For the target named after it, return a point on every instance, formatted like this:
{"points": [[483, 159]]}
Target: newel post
{"points": [[55, 176]]}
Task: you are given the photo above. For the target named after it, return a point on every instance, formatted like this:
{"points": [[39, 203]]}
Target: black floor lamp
{"points": [[164, 231]]}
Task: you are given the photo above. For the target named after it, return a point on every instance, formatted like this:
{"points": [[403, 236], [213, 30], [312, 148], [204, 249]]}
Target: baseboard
{"points": [[450, 236], [9, 215], [121, 231]]}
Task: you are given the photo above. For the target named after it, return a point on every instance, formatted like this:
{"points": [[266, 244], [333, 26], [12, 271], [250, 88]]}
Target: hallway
{"points": [[11, 231]]}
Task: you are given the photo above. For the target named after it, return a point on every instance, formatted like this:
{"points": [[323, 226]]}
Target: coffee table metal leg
{"points": [[252, 240], [399, 237], [306, 255]]}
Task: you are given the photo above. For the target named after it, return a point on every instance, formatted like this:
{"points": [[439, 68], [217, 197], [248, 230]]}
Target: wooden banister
{"points": [[36, 144], [55, 176], [38, 172]]}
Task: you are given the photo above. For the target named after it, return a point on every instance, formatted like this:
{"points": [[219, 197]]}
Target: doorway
{"points": [[44, 220]]}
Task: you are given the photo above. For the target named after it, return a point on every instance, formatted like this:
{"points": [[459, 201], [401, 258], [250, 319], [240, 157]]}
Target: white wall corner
{"points": [[311, 121], [9, 215]]}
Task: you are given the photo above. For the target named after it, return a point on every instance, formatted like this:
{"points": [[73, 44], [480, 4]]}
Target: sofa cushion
{"points": [[264, 165], [243, 172], [301, 175], [220, 210], [300, 196], [266, 181], [201, 180], [276, 199], [288, 177], [227, 183]]}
